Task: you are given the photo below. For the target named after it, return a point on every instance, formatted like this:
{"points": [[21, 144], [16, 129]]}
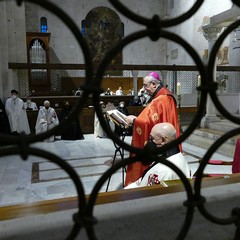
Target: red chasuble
{"points": [[161, 109]]}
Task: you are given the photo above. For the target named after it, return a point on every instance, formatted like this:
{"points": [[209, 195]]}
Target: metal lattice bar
{"points": [[155, 29]]}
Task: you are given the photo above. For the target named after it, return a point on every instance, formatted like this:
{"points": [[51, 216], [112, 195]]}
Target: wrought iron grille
{"points": [[155, 29]]}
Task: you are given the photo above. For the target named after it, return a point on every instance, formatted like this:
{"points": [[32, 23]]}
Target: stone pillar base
{"points": [[209, 119]]}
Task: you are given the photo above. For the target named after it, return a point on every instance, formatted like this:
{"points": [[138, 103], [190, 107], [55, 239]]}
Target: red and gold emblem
{"points": [[155, 117], [139, 131]]}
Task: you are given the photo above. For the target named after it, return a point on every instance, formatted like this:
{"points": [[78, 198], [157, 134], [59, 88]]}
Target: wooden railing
{"points": [[51, 206]]}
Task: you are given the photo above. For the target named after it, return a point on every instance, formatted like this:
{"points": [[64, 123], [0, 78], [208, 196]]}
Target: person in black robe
{"points": [[73, 131], [136, 101], [4, 123], [119, 130]]}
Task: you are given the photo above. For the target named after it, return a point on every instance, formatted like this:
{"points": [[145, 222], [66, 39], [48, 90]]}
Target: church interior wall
{"points": [[190, 30], [65, 49], [230, 102], [65, 46], [2, 45], [13, 44], [31, 15]]}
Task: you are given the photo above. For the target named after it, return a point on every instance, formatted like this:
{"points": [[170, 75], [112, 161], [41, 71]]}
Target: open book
{"points": [[118, 118]]}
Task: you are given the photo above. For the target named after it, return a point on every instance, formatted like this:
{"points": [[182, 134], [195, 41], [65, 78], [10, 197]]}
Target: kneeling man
{"points": [[162, 133]]}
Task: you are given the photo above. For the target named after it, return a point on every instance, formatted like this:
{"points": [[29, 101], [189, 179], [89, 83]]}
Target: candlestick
{"points": [[198, 93], [179, 110], [199, 80], [178, 88]]}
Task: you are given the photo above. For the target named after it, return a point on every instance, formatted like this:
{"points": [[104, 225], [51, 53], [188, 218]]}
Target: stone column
{"points": [[12, 44], [210, 32], [135, 86], [233, 83]]}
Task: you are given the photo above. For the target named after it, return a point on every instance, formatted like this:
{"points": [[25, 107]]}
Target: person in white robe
{"points": [[30, 105], [156, 173], [119, 91], [17, 115], [98, 130], [47, 119]]}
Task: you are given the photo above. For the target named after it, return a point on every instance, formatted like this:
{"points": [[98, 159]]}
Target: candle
{"points": [[199, 80], [178, 88]]}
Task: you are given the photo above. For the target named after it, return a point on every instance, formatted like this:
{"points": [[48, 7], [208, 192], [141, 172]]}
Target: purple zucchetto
{"points": [[155, 75]]}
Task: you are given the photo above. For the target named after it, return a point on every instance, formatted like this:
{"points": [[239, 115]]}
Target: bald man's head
{"points": [[163, 133], [46, 104]]}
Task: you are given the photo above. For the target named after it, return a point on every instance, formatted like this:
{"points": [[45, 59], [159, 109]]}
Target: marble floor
{"points": [[38, 179]]}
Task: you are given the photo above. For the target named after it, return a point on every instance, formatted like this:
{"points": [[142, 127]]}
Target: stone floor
{"points": [[38, 179]]}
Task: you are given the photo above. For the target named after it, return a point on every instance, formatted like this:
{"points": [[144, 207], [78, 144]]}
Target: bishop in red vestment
{"points": [[161, 108]]}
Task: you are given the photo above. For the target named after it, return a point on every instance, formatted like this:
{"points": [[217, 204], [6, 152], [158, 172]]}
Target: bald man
{"points": [[47, 119], [161, 134]]}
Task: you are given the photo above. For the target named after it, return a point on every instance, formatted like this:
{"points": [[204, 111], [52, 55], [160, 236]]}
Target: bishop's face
{"points": [[149, 86]]}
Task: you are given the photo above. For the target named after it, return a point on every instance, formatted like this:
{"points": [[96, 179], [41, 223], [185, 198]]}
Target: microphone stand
{"points": [[119, 150]]}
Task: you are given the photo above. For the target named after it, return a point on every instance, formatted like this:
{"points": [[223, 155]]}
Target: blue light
{"points": [[43, 28], [43, 24]]}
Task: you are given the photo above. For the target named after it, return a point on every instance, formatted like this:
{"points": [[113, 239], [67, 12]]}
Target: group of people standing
{"points": [[14, 120], [118, 92]]}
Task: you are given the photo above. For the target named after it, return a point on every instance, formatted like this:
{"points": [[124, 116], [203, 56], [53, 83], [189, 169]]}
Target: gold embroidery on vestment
{"points": [[139, 131], [155, 117]]}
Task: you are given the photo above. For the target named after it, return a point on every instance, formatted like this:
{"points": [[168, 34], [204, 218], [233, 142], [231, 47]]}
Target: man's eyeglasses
{"points": [[151, 139], [147, 84]]}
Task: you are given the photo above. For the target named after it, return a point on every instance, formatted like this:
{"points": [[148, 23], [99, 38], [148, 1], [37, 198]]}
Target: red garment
{"points": [[161, 109], [236, 159]]}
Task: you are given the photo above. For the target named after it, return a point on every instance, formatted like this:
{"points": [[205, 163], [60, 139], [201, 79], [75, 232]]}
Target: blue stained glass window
{"points": [[83, 27], [43, 22]]}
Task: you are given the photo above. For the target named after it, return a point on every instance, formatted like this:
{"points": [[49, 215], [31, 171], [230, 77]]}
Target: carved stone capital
{"points": [[135, 73], [210, 32]]}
